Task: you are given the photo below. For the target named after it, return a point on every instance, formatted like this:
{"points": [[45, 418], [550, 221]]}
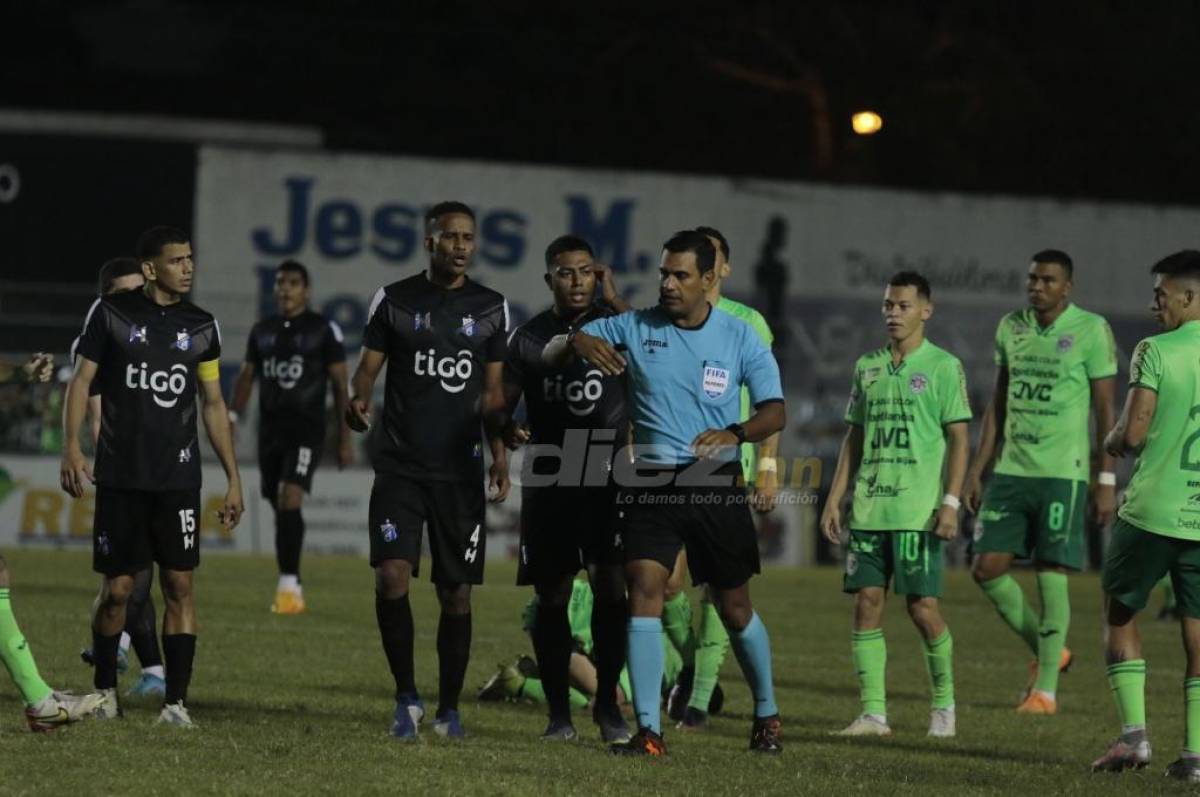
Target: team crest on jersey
{"points": [[183, 341], [716, 380], [388, 530], [421, 320], [917, 384], [185, 455], [138, 335], [1066, 343], [468, 325]]}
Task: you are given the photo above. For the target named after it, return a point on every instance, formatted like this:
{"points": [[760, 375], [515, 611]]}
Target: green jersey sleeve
{"points": [[856, 407], [1101, 360], [760, 327], [1145, 370], [999, 354], [952, 388]]}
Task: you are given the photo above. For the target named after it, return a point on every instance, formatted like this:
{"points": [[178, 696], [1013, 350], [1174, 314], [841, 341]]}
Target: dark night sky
{"points": [[1092, 99]]}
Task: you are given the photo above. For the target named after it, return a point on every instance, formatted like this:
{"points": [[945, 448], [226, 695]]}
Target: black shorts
{"points": [[133, 529], [712, 522], [287, 459], [564, 529], [454, 514]]}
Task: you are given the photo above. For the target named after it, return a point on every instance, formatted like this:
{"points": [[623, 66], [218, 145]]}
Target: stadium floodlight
{"points": [[866, 123]]}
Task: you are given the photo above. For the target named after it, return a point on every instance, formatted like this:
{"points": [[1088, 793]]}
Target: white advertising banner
{"points": [[356, 222]]}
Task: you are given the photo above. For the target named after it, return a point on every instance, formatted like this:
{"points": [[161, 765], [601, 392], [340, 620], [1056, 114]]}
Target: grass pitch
{"points": [[301, 705]]}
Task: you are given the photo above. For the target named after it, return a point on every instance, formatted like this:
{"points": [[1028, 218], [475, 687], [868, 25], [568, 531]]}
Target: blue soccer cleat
{"points": [[148, 686], [409, 713], [449, 725]]}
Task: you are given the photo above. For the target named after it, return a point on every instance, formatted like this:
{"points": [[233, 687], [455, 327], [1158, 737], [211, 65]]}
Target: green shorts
{"points": [[1136, 560], [912, 558], [1038, 519]]}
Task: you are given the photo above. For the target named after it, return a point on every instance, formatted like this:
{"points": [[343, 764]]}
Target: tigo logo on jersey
{"points": [[183, 341], [1066, 343], [286, 372], [716, 381], [388, 530], [137, 335], [167, 386], [468, 325], [918, 383], [580, 395], [460, 368]]}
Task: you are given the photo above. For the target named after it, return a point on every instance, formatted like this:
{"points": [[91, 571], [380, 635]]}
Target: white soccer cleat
{"points": [[866, 725], [941, 723], [1124, 754], [110, 708], [175, 714], [61, 708]]}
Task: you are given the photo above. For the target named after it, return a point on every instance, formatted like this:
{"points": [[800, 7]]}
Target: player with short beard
{"points": [[444, 338]]}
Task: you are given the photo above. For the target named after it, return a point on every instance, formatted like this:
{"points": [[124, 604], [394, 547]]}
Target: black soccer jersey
{"points": [[148, 357], [437, 342], [94, 388], [578, 396], [292, 357]]}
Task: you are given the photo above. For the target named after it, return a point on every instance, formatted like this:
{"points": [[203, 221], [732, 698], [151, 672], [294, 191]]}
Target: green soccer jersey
{"points": [[759, 325], [579, 614], [903, 410], [1049, 390], [1163, 495]]}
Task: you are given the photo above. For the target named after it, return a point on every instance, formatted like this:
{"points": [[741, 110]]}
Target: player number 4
{"points": [[473, 551]]}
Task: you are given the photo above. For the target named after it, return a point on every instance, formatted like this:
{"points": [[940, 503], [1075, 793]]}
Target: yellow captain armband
{"points": [[209, 371]]}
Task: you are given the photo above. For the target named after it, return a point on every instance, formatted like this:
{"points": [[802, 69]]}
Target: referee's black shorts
{"points": [[711, 520]]}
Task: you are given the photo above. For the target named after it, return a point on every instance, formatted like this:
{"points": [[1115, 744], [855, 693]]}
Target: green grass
{"points": [[302, 704]]}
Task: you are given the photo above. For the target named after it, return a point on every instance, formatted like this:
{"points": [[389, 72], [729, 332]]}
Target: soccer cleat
{"points": [[176, 715], [560, 730], [288, 602], [1038, 703], [527, 666], [448, 725], [693, 720], [941, 723], [122, 659], [1124, 753], [110, 709], [1185, 768], [717, 701], [681, 692], [504, 684], [408, 715], [643, 743], [766, 736], [148, 686], [613, 729], [1065, 660], [60, 708], [866, 725]]}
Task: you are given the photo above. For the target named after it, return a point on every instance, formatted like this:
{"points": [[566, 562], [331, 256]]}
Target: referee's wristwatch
{"points": [[738, 430]]}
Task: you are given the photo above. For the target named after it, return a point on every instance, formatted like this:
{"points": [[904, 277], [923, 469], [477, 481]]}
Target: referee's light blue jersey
{"points": [[685, 381]]}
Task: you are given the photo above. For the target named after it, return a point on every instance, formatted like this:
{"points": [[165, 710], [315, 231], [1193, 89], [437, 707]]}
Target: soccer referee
{"points": [[686, 363]]}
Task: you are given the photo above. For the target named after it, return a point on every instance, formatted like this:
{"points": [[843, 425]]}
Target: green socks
{"points": [[1191, 701], [1006, 595], [672, 664], [870, 660], [710, 655], [1127, 680], [939, 655], [677, 625], [533, 690], [17, 658], [1052, 633]]}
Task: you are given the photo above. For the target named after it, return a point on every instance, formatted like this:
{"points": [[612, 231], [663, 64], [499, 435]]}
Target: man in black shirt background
{"points": [[444, 339], [152, 352], [297, 355]]}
